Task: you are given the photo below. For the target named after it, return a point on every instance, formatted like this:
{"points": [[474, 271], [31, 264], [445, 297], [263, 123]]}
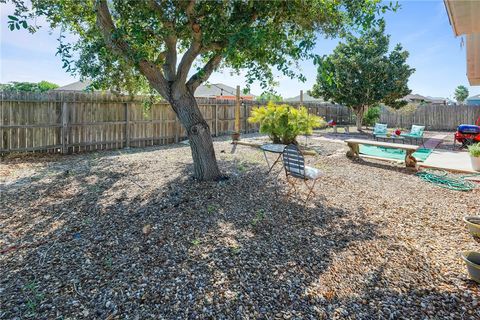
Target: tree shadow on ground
{"points": [[379, 299], [42, 157], [78, 245]]}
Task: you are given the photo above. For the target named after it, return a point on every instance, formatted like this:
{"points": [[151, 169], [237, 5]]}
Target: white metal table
{"points": [[275, 148]]}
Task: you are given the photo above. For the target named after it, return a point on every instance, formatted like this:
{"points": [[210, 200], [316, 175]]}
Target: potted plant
{"points": [[474, 151], [472, 260], [473, 224]]}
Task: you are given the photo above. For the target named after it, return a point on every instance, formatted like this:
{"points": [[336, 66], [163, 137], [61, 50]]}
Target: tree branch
{"points": [[120, 46], [203, 74], [189, 10], [214, 46], [195, 48], [170, 64]]}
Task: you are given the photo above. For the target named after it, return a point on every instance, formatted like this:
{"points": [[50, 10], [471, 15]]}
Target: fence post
{"points": [[127, 125], [237, 110], [216, 119], [64, 134], [245, 117]]}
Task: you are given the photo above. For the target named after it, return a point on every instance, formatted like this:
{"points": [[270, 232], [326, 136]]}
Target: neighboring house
{"points": [[474, 100], [220, 91], [214, 90], [75, 86], [439, 100], [416, 98], [306, 98]]}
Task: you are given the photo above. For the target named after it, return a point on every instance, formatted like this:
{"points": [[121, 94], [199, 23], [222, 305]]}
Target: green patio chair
{"points": [[416, 133], [379, 131]]}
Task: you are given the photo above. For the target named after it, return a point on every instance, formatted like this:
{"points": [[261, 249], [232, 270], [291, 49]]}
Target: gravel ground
{"points": [[128, 235]]}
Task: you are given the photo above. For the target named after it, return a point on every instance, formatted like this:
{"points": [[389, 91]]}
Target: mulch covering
{"points": [[128, 235]]}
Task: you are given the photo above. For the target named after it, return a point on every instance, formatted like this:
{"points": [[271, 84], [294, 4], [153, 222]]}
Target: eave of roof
{"points": [[473, 58], [463, 16]]}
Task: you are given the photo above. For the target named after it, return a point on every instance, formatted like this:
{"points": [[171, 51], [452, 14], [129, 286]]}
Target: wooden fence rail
{"points": [[78, 121], [433, 117]]}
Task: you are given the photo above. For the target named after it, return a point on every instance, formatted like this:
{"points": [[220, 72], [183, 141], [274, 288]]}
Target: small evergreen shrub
{"points": [[371, 116], [283, 123]]}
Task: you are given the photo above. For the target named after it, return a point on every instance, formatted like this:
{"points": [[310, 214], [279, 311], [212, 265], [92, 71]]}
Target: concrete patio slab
{"points": [[453, 161]]}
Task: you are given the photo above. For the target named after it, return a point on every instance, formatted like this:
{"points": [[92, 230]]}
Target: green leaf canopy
{"points": [[361, 72], [461, 93], [251, 35]]}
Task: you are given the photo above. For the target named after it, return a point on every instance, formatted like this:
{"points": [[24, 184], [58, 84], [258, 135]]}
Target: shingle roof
{"points": [[414, 96], [75, 86], [306, 98], [217, 89], [210, 90], [437, 99]]}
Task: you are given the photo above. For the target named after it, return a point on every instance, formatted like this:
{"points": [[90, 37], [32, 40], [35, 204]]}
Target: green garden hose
{"points": [[441, 178]]}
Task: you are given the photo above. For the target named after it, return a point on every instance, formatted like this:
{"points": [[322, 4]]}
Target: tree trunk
{"points": [[205, 165], [359, 111]]}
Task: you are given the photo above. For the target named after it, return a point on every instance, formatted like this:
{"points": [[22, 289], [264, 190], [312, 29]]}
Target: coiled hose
{"points": [[441, 178]]}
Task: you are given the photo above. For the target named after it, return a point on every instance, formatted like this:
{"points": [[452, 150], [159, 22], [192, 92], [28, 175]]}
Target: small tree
{"points": [[372, 115], [173, 46], [46, 86], [360, 73], [461, 94]]}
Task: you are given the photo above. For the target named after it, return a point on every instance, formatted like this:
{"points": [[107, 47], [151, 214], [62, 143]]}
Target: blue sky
{"points": [[422, 28]]}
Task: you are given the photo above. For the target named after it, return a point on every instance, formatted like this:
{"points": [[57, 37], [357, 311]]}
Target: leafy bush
{"points": [[283, 123], [41, 86], [474, 150], [268, 96], [371, 116]]}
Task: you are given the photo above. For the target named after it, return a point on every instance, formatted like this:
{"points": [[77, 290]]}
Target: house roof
{"points": [[75, 86], [473, 54], [211, 90], [415, 96], [437, 99], [216, 90], [463, 16], [475, 97], [306, 98]]}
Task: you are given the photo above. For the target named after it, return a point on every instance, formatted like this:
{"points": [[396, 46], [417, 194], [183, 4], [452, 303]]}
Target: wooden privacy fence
{"points": [[433, 117], [79, 121]]}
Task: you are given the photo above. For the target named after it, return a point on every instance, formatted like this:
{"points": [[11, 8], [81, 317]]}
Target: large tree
{"points": [[361, 72], [461, 93], [174, 46]]}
